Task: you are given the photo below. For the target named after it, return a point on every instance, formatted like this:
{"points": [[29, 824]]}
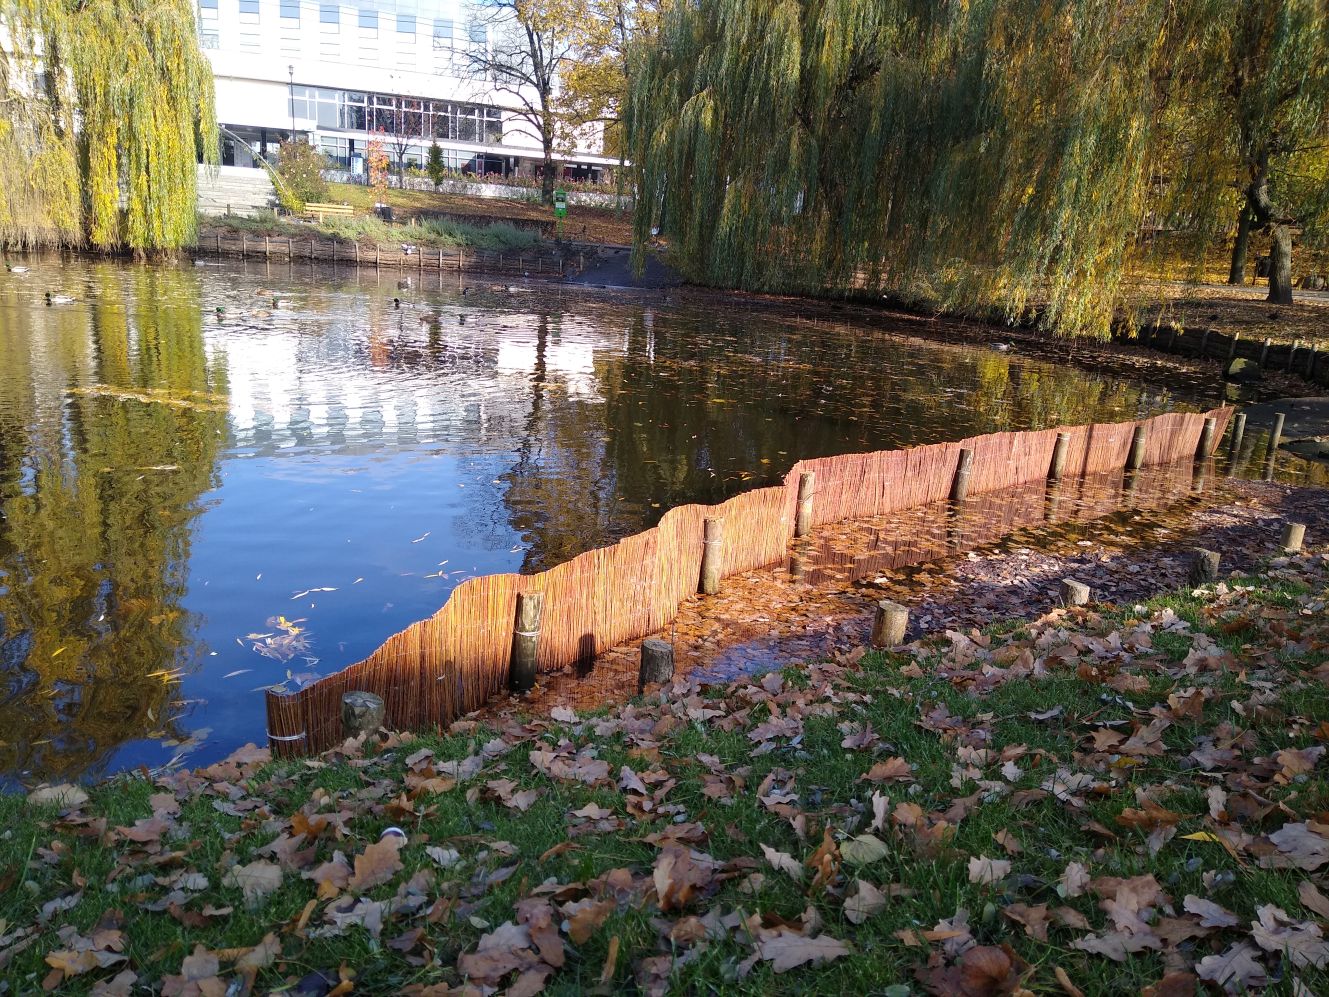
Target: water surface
{"points": [[194, 504]]}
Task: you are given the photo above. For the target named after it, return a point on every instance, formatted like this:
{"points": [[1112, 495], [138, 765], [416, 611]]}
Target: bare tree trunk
{"points": [[1280, 265], [547, 181], [1237, 272]]}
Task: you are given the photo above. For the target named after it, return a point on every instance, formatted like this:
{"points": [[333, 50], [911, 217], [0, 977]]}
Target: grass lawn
{"points": [[1102, 801], [584, 224]]}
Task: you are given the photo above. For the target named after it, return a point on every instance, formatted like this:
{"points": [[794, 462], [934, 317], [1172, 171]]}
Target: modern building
{"points": [[341, 73]]}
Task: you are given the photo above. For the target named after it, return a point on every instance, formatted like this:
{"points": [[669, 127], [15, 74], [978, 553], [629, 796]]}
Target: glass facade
{"points": [[352, 110]]}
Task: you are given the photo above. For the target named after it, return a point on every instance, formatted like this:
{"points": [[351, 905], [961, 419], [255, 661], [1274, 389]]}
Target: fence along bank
{"points": [[454, 661]]}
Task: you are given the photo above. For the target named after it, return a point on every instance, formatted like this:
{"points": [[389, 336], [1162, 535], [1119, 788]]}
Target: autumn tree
{"points": [[1272, 111], [108, 107], [595, 86], [530, 44]]}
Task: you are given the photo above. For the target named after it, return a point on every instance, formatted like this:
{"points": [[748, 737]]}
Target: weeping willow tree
{"points": [[109, 104], [990, 154]]}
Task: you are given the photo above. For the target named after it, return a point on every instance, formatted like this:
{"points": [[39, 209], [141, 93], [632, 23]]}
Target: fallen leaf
{"points": [[377, 864], [784, 862], [865, 901], [1236, 969], [255, 880], [785, 949], [64, 796], [985, 870], [1211, 915]]}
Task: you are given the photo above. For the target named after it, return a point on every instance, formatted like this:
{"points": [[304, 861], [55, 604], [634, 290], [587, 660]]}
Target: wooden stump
{"points": [[1206, 444], [525, 639], [889, 625], [361, 713], [657, 663], [1204, 566], [1074, 593], [1059, 452], [712, 551], [1294, 535], [803, 521], [1136, 455], [964, 467], [1238, 432]]}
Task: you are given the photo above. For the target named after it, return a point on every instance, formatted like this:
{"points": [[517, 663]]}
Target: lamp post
{"points": [[290, 96]]}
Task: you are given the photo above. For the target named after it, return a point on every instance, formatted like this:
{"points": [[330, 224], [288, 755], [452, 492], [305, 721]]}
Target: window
{"points": [[406, 24], [290, 9], [443, 31], [207, 4], [479, 33], [249, 7], [209, 39], [329, 13], [368, 18]]}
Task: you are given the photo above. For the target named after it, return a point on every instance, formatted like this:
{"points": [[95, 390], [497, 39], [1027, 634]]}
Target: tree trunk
{"points": [[1237, 272], [1280, 265], [547, 181]]}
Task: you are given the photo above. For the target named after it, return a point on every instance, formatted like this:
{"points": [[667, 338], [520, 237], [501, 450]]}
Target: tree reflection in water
{"points": [[96, 499]]}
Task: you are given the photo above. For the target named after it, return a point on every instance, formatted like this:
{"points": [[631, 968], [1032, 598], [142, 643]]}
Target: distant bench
{"points": [[316, 210]]}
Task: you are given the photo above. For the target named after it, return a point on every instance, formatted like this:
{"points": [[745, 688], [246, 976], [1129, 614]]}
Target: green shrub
{"points": [[300, 167]]}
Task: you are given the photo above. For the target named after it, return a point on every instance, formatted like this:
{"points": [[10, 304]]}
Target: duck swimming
{"points": [[17, 269], [58, 299]]}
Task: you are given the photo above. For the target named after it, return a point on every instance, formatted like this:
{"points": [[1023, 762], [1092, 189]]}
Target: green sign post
{"points": [[560, 208]]}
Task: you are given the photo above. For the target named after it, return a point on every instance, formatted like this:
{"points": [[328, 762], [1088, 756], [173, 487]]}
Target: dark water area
{"points": [[197, 504]]}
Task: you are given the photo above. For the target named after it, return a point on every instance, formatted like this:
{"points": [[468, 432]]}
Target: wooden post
{"points": [[217, 236], [1204, 566], [1059, 451], [1204, 344], [657, 663], [711, 553], [889, 624], [267, 249], [361, 713], [311, 250], [1238, 432], [290, 250], [375, 255], [1294, 535], [964, 467], [1232, 346], [525, 638], [1291, 354], [357, 252], [1264, 350], [1074, 593], [803, 521], [1205, 448], [1311, 357], [1276, 436], [242, 245], [1136, 455]]}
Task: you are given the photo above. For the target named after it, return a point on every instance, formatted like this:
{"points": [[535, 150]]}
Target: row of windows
{"points": [[330, 14], [350, 110], [349, 154]]}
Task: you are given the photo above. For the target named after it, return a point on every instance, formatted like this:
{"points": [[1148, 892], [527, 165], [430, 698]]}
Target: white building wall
{"points": [[257, 49]]}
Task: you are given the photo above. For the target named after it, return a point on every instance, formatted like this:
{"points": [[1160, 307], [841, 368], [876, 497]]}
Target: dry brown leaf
{"points": [[255, 880], [1312, 899], [377, 864], [1236, 969], [783, 861], [785, 949], [1211, 915], [331, 877], [866, 901], [986, 871], [1302, 941]]}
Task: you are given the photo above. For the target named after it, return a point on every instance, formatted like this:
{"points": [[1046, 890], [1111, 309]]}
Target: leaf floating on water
{"points": [[419, 538], [238, 671], [324, 588]]}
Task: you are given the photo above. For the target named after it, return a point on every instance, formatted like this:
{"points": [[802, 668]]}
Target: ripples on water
{"points": [[312, 469]]}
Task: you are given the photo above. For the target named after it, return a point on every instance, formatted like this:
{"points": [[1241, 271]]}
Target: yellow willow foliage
{"points": [[991, 155], [116, 132]]}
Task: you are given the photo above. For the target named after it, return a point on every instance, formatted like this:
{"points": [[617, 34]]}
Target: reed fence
{"points": [[454, 661]]}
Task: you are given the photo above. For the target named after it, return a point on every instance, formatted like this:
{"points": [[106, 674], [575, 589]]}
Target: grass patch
{"points": [[1166, 746]]}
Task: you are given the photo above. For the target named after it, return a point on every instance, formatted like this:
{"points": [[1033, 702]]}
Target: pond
{"points": [[216, 478]]}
